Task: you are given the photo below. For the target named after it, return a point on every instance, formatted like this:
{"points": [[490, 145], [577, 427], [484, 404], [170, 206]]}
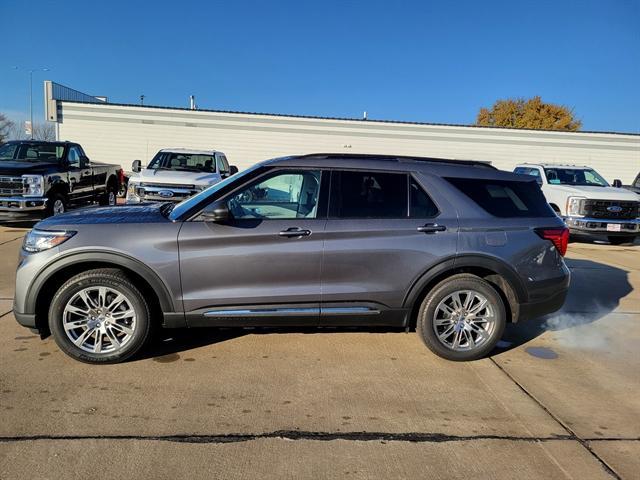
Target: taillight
{"points": [[121, 176], [558, 236]]}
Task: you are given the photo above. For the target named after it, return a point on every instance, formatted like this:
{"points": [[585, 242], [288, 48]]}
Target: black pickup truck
{"points": [[40, 179]]}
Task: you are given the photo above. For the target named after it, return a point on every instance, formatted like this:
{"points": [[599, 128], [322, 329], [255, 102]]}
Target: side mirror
{"points": [[617, 183], [218, 213], [233, 169], [84, 162], [136, 166]]}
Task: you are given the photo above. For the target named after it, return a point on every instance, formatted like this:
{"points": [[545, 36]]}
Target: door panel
{"points": [[80, 178], [373, 262], [248, 262], [266, 258]]}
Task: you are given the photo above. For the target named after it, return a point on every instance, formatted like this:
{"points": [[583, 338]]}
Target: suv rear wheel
{"points": [[461, 318], [99, 316]]}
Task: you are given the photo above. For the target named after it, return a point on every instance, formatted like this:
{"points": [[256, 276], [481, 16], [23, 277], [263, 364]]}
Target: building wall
{"points": [[120, 134]]}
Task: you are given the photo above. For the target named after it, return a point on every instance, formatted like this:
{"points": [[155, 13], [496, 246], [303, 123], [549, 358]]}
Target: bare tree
{"points": [[44, 131], [41, 131], [6, 126]]}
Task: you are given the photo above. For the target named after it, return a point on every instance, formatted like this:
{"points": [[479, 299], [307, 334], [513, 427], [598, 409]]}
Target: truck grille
{"points": [[11, 186], [163, 192], [624, 210]]}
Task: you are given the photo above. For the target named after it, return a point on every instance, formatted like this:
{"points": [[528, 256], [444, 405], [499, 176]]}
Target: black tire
{"points": [[55, 201], [112, 279], [621, 240], [426, 317], [110, 196]]}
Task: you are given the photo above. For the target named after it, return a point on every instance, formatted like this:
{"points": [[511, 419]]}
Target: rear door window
{"points": [[505, 198], [421, 205], [368, 194]]}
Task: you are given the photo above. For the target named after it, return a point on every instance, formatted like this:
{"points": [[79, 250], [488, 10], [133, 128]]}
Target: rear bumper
{"points": [[598, 226], [546, 296]]}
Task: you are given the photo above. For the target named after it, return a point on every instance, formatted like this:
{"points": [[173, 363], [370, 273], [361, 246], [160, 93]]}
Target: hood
{"points": [[598, 193], [16, 167], [143, 213], [173, 177]]}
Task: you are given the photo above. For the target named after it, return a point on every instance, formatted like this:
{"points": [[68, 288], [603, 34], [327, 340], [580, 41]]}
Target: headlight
{"points": [[34, 185], [132, 194], [39, 240], [573, 206]]}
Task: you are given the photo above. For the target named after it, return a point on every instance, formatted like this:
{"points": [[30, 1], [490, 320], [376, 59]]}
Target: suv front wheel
{"points": [[99, 316], [461, 318]]}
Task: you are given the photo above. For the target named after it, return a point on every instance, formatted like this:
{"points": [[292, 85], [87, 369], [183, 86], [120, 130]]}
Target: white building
{"points": [[119, 134]]}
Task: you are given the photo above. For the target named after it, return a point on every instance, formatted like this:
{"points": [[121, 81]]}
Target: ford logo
{"points": [[165, 193], [614, 209]]}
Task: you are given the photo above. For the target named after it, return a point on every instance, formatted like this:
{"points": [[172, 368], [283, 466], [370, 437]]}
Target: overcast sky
{"points": [[399, 60]]}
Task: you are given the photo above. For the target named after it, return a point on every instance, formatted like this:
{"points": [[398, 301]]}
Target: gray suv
{"points": [[453, 249]]}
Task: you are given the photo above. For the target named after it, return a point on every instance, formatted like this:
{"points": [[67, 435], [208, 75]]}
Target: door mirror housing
{"points": [[218, 213], [233, 169], [617, 183], [84, 162], [136, 166]]}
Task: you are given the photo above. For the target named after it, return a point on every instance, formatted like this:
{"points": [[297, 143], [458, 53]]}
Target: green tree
{"points": [[531, 113], [5, 127]]}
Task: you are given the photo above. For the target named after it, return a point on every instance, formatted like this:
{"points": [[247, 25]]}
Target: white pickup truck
{"points": [[177, 173], [586, 201]]}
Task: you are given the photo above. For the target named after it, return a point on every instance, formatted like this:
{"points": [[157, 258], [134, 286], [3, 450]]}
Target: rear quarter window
{"points": [[505, 198]]}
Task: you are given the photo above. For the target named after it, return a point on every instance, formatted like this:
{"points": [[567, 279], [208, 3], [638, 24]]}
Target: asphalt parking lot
{"points": [[559, 399]]}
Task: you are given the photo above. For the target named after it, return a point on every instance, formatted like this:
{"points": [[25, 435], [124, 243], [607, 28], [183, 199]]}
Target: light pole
{"points": [[31, 93]]}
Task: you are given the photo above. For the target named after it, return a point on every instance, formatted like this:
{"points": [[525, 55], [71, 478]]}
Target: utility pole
{"points": [[31, 93]]}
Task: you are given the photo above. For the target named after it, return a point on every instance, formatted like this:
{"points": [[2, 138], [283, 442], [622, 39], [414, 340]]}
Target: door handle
{"points": [[432, 228], [295, 232]]}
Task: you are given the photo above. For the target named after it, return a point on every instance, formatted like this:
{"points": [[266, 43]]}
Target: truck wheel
{"points": [[461, 318], [110, 196], [621, 240], [56, 204], [99, 316]]}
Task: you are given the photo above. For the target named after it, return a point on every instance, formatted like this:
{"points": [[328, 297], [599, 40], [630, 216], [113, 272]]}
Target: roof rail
{"points": [[397, 158]]}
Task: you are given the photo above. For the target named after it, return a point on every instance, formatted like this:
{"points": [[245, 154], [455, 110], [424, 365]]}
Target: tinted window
{"points": [[368, 195], [283, 195], [504, 198], [421, 205]]}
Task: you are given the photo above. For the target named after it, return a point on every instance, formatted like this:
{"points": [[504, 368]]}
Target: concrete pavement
{"points": [[559, 399]]}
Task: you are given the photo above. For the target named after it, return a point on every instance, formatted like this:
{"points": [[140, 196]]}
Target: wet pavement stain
{"points": [[172, 357], [541, 352]]}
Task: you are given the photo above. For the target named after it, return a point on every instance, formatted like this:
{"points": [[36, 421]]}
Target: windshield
{"points": [[188, 162], [186, 205], [31, 152], [575, 176]]}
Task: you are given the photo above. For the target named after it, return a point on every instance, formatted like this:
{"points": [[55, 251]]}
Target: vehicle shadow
{"points": [[596, 291]]}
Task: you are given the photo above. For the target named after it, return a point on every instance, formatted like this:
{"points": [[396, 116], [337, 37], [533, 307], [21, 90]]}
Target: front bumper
{"points": [[15, 208], [599, 226]]}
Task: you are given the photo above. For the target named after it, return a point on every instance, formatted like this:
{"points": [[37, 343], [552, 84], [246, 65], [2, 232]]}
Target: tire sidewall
{"points": [[51, 200], [72, 287], [441, 291]]}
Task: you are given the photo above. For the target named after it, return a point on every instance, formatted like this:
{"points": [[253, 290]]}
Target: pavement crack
{"points": [[412, 437], [584, 442]]}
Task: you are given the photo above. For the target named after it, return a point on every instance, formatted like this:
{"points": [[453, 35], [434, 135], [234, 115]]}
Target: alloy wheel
{"points": [[99, 320], [464, 320]]}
